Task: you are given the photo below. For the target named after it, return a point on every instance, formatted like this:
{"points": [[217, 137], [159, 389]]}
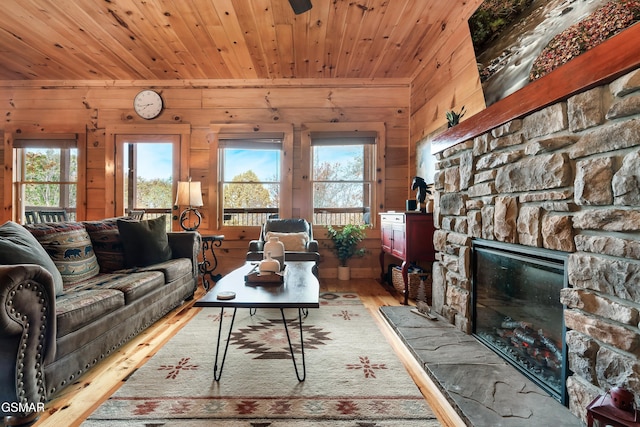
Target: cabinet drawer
{"points": [[392, 218]]}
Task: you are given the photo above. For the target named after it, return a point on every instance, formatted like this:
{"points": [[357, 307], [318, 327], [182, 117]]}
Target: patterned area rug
{"points": [[353, 376]]}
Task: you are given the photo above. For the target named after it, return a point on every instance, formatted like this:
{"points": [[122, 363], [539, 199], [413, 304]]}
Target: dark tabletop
{"points": [[299, 290]]}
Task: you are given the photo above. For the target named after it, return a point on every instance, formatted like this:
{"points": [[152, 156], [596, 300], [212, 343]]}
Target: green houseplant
{"points": [[453, 118], [345, 242]]}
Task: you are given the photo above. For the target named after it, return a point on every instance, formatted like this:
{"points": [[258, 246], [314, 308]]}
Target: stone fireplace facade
{"points": [[565, 178]]}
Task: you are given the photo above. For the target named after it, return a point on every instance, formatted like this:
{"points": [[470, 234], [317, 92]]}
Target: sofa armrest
{"points": [[27, 334], [312, 246], [186, 244], [256, 245]]}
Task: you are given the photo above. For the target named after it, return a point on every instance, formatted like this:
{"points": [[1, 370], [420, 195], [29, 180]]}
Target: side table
{"points": [[207, 267]]}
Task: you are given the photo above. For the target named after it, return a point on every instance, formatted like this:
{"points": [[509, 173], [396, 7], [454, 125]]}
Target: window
{"points": [[146, 168], [250, 180], [253, 164], [46, 176], [343, 176], [147, 184]]}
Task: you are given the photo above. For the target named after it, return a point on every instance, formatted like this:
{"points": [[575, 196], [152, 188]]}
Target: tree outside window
{"points": [[48, 178], [342, 179], [250, 181], [149, 177]]}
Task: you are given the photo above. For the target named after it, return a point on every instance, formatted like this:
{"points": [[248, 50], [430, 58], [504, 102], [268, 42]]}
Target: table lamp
{"points": [[189, 194]]}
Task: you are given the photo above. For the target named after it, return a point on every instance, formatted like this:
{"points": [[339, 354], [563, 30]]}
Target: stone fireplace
{"points": [[565, 178]]}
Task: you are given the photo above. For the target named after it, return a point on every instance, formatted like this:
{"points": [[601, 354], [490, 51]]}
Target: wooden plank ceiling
{"points": [[220, 39]]}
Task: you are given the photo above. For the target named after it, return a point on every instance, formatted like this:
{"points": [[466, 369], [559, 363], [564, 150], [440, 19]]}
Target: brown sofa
{"points": [[72, 293]]}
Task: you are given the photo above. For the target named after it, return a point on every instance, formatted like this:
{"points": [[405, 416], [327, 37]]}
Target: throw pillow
{"points": [[145, 242], [69, 246], [18, 246], [107, 244], [293, 242]]}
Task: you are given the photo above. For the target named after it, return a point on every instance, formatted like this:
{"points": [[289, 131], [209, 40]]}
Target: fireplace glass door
{"points": [[517, 310]]}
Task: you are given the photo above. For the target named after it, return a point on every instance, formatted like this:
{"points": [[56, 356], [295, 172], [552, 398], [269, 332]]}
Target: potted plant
{"points": [[453, 118], [345, 241]]}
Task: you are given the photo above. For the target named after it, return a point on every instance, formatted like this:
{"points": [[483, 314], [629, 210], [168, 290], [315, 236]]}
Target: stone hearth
{"points": [[482, 388], [565, 178]]}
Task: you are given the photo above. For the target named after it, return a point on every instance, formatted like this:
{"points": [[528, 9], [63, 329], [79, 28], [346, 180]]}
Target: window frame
{"points": [[64, 143], [181, 167], [376, 170], [222, 132], [123, 140], [272, 143]]}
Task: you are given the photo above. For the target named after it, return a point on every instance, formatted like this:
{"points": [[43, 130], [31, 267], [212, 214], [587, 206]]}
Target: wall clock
{"points": [[148, 104]]}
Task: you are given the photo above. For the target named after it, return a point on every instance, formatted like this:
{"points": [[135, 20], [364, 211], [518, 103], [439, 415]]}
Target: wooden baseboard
{"points": [[356, 273]]}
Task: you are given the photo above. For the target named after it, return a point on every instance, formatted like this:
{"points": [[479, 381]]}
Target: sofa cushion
{"points": [[107, 244], [294, 242], [145, 242], [81, 307], [132, 285], [172, 269], [69, 246], [18, 246]]}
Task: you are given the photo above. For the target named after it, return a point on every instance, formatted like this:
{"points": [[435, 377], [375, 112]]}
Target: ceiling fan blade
{"points": [[300, 6]]}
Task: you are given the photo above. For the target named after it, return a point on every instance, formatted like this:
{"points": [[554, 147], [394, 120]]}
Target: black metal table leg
{"points": [[293, 358], [216, 375]]}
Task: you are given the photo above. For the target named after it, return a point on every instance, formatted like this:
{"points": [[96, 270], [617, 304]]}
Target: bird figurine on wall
{"points": [[419, 184]]}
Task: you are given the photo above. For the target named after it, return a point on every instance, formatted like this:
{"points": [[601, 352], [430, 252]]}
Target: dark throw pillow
{"points": [[107, 244], [18, 246], [145, 242]]}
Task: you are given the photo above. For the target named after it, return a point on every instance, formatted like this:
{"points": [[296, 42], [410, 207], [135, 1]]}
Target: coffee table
{"points": [[300, 290]]}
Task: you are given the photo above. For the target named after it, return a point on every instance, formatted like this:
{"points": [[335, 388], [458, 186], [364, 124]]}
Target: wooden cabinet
{"points": [[407, 236]]}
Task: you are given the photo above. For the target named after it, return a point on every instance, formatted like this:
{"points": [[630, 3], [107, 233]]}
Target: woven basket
{"points": [[414, 283]]}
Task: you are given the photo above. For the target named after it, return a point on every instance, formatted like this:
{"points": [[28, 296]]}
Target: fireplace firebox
{"points": [[517, 311]]}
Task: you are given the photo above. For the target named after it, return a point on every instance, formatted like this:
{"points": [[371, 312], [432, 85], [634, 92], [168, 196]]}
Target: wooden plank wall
{"points": [[97, 107], [448, 81]]}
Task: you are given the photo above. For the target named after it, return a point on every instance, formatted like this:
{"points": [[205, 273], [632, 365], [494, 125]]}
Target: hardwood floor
{"points": [[78, 401]]}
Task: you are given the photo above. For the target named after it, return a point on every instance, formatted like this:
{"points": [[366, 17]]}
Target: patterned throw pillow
{"points": [[69, 246], [107, 244]]}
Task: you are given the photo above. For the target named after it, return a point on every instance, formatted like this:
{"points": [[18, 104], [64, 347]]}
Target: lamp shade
{"points": [[189, 193]]}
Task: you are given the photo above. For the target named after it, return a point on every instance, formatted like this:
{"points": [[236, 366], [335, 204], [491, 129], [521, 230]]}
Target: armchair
{"points": [[295, 233]]}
